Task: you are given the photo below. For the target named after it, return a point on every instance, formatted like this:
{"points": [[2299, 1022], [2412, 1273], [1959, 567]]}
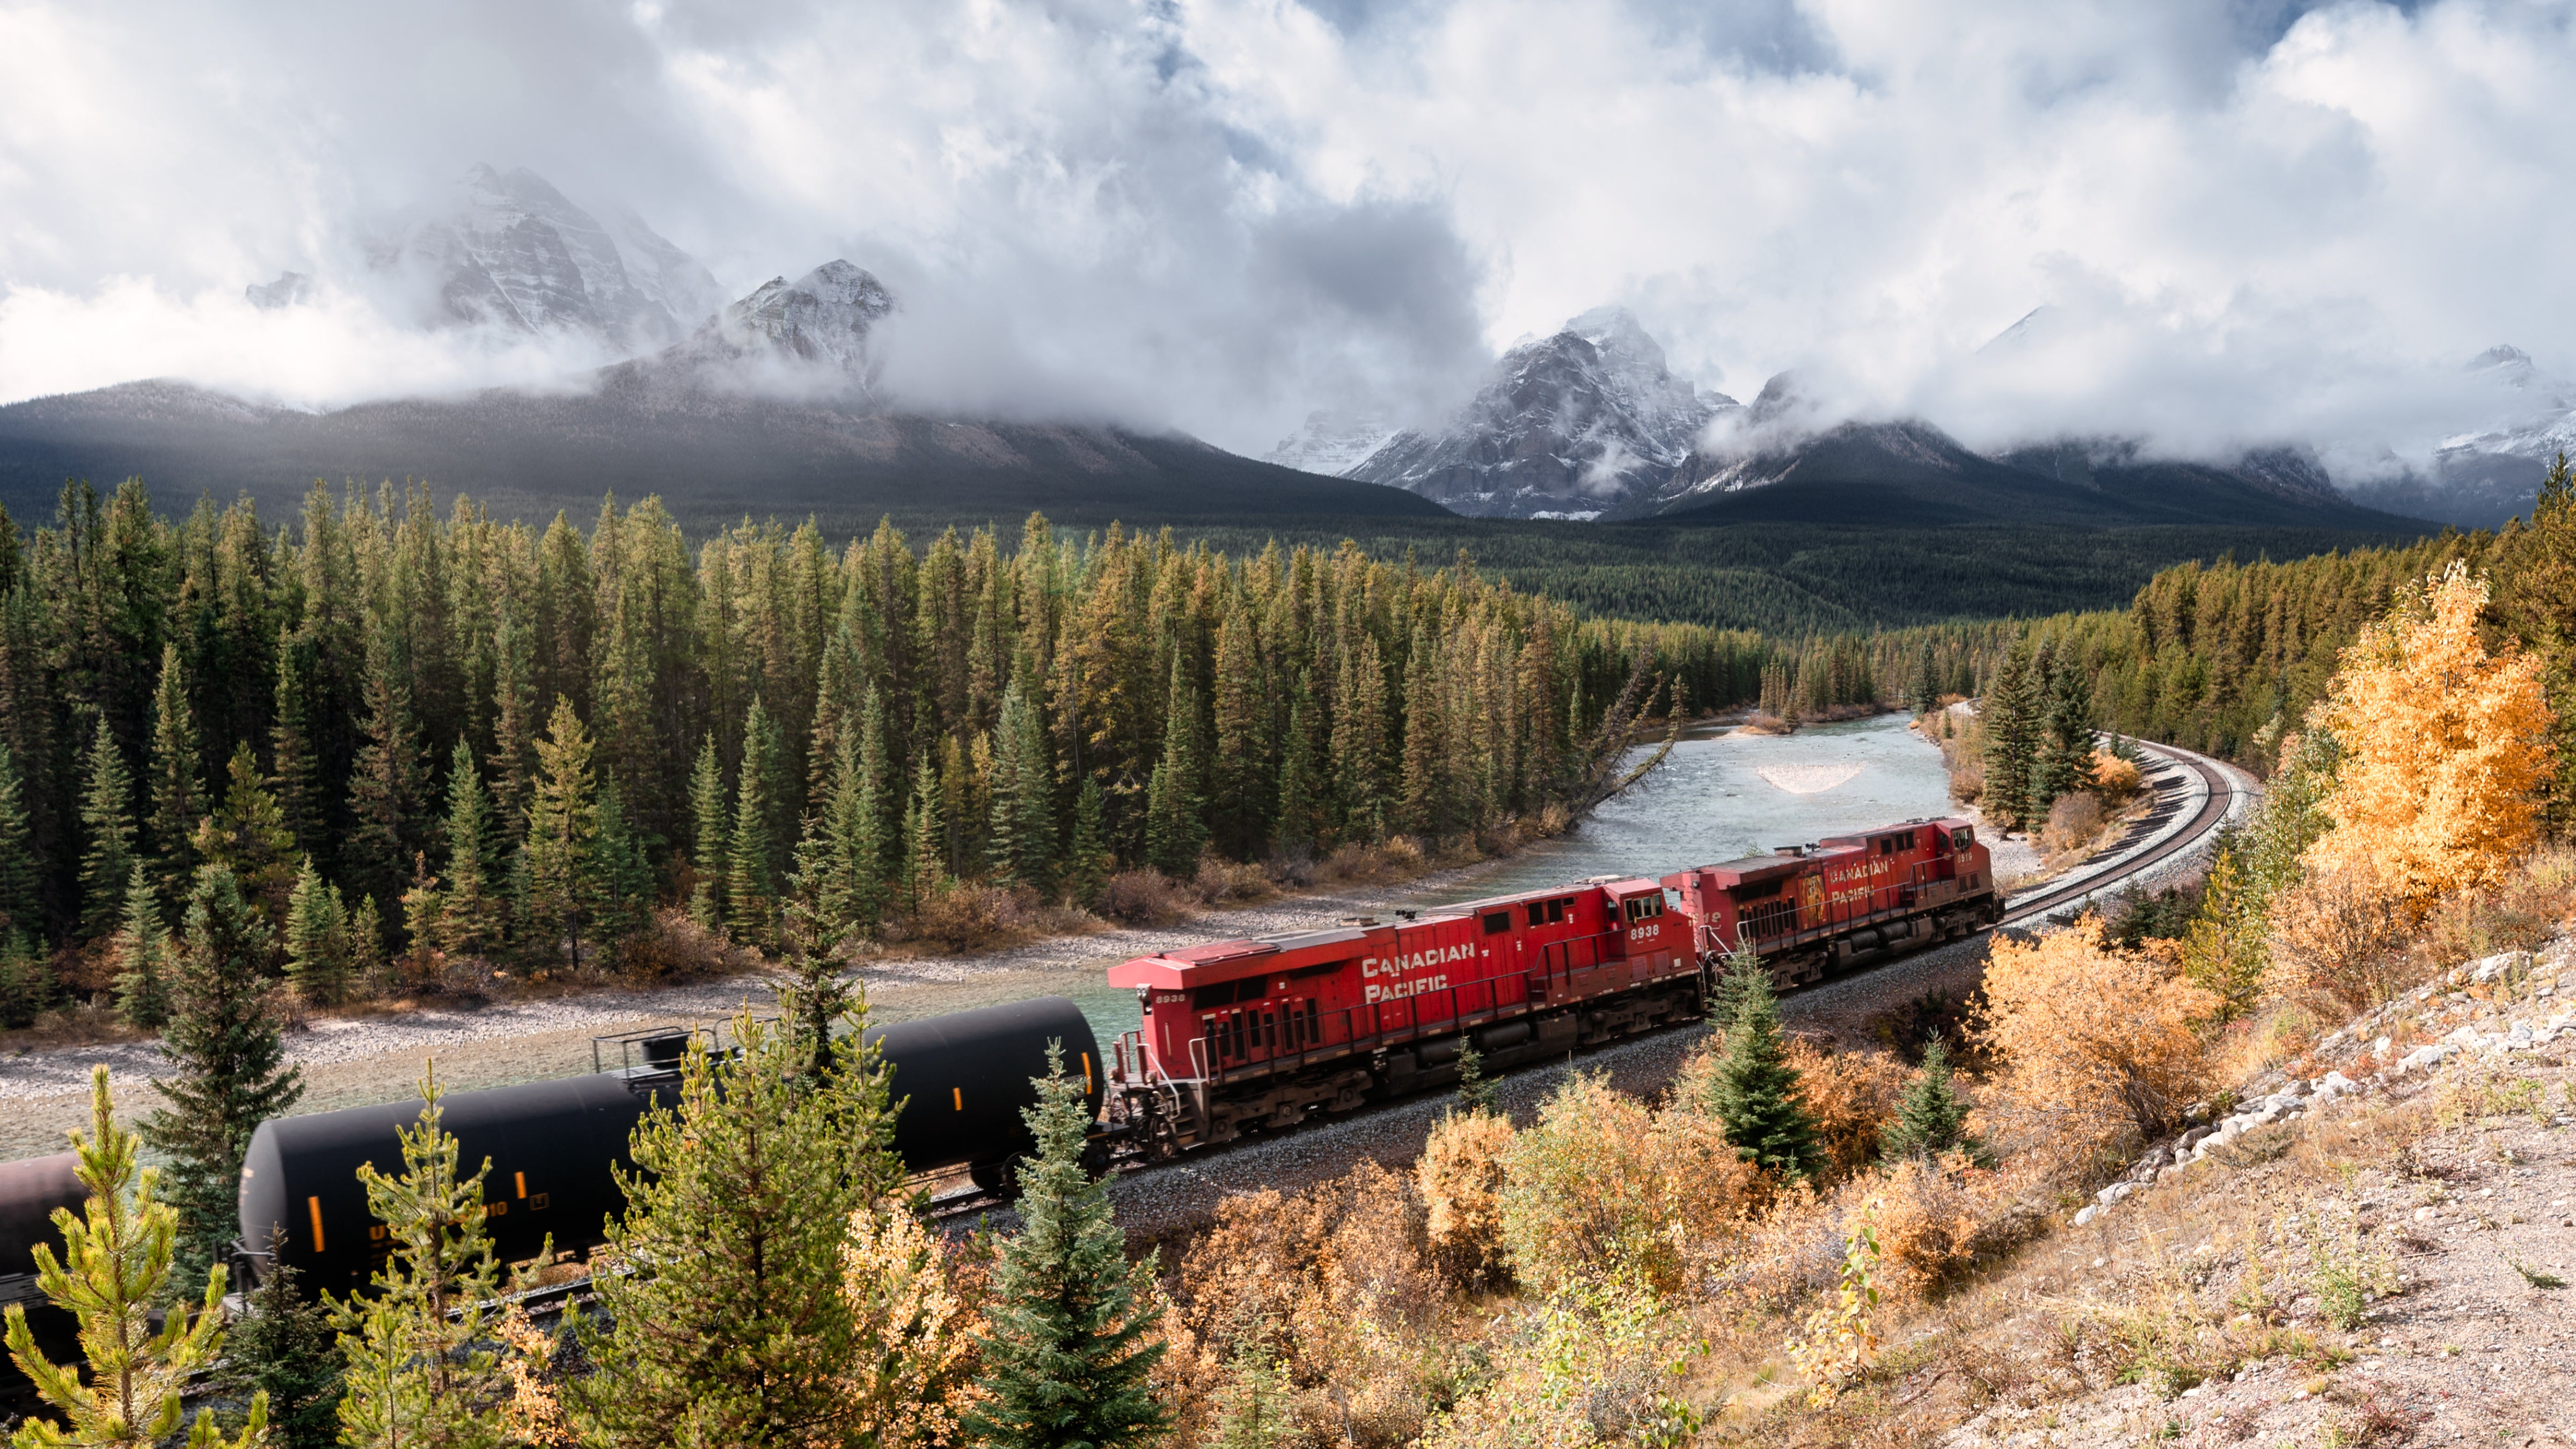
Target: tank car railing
{"points": [[657, 1051]]}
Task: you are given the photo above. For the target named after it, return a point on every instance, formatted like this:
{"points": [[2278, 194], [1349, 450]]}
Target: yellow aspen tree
{"points": [[2446, 747]]}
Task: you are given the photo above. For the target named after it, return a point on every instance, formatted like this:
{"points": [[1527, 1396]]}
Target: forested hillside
{"points": [[401, 730], [1810, 578]]}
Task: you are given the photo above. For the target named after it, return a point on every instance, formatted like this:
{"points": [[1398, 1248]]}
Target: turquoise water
{"points": [[1717, 798]]}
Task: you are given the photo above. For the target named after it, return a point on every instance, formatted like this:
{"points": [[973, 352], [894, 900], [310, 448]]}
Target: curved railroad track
{"points": [[2213, 810]]}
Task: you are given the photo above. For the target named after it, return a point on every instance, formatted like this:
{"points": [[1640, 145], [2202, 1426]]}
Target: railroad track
{"points": [[2215, 804]]}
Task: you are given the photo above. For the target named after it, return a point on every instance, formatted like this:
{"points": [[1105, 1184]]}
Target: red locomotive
{"points": [[1250, 1034]]}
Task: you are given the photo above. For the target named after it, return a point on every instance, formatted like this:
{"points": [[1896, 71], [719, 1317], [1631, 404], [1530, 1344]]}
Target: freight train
{"points": [[1234, 1037]]}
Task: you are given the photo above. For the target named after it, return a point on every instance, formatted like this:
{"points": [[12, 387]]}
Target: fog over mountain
{"points": [[2234, 225]]}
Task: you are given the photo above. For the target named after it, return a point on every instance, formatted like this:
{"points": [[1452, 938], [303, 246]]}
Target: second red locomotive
{"points": [[1255, 1033]]}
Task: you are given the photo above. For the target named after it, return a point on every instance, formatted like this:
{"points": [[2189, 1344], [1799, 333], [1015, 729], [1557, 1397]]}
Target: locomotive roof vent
{"points": [[1791, 849], [1359, 920], [1410, 915]]}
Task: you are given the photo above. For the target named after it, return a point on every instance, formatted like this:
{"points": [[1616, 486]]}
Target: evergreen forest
{"points": [[400, 729]]}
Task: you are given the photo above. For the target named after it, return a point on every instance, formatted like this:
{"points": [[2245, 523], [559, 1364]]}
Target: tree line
{"points": [[399, 730]]}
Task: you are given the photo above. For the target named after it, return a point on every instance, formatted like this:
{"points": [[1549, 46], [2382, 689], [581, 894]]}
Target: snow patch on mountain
{"points": [[1567, 425], [1333, 443]]}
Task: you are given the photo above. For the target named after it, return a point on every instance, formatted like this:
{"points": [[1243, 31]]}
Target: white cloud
{"points": [[1221, 213]]}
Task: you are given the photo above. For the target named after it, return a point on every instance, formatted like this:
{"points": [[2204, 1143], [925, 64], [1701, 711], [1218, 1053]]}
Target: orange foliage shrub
{"points": [[2445, 747], [1599, 1185], [1460, 1177], [2073, 823], [2114, 778], [2338, 938], [2098, 1045], [1333, 1281], [1852, 1095], [1931, 1220]]}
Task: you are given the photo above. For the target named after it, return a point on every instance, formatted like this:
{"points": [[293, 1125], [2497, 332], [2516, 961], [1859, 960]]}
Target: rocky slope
{"points": [[2480, 479]]}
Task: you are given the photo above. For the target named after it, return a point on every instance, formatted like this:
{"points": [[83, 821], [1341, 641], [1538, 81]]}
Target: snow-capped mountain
{"points": [[509, 250], [1566, 426], [2480, 479], [1332, 443]]}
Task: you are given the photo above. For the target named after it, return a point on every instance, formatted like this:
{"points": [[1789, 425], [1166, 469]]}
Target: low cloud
{"points": [[2243, 222]]}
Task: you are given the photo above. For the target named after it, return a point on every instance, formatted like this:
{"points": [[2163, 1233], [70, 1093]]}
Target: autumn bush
{"points": [[2098, 1046], [2115, 779], [1600, 1185], [1851, 1095], [1334, 1285], [2073, 824], [1226, 882], [1144, 898], [1932, 1218], [2517, 913], [1460, 1178], [2339, 937]]}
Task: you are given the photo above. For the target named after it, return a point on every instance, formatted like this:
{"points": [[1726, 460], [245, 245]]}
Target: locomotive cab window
{"points": [[1497, 922], [1962, 838], [1645, 908]]}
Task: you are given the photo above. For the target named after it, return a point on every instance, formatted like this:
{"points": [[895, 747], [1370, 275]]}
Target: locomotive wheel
{"points": [[1002, 1179]]}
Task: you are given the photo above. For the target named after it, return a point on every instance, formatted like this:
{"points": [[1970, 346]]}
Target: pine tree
{"points": [[26, 983], [751, 882], [1022, 841], [1422, 798], [709, 852], [621, 879], [836, 889], [115, 1272], [1070, 1338], [317, 940], [231, 1058], [178, 798], [1476, 1091], [366, 941], [1173, 831], [142, 958], [248, 835], [1301, 784], [1754, 1092], [283, 1348], [291, 750], [18, 901], [1240, 791], [1088, 860], [1931, 1119], [468, 908], [385, 781], [514, 725], [2064, 761], [2010, 711], [107, 830], [925, 842], [563, 828], [1359, 741], [750, 1179], [1924, 695], [1253, 1406], [419, 1375]]}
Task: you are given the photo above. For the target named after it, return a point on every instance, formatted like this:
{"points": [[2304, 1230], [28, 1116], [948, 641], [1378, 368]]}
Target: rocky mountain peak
{"points": [[822, 317], [1567, 425]]}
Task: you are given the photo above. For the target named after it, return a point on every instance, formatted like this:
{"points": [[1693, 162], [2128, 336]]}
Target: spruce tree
{"points": [[1241, 791], [178, 796], [1023, 837], [107, 833], [1924, 694], [142, 958], [18, 900], [419, 1375], [563, 830], [26, 983], [1173, 830], [709, 852], [925, 844], [1754, 1092], [1359, 741], [385, 780], [291, 749], [1931, 1119], [515, 710], [317, 940], [1422, 793], [366, 942], [115, 1272], [283, 1347], [2010, 711], [468, 908], [2063, 763], [1088, 861], [1476, 1091], [1069, 1339], [750, 1179], [1301, 783], [230, 1055], [751, 885], [621, 880], [248, 835]]}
